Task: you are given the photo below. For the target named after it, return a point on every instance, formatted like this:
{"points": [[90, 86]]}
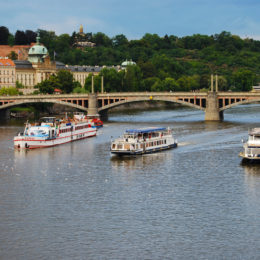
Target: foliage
{"points": [[177, 63], [13, 55], [63, 81], [19, 85], [243, 80], [4, 34], [45, 87], [23, 109], [79, 90], [9, 91]]}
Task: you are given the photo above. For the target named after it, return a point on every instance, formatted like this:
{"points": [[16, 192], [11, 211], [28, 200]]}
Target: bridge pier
{"points": [[92, 106], [212, 112]]}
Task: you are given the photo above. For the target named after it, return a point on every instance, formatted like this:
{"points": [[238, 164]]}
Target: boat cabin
{"points": [[48, 121], [144, 140], [254, 136]]}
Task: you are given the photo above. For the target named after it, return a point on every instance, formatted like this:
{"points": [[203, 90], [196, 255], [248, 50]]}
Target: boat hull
{"points": [[249, 159], [25, 142], [140, 152]]}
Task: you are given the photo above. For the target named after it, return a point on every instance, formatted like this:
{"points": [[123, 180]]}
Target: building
{"points": [[127, 63], [82, 39], [7, 72], [38, 67], [20, 50]]}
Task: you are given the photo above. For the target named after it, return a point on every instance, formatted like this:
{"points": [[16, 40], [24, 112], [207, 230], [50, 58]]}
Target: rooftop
{"points": [[145, 130], [6, 62], [23, 64]]}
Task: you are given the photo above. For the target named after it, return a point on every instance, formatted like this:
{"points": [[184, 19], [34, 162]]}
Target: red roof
{"points": [[6, 62], [20, 50], [57, 90]]}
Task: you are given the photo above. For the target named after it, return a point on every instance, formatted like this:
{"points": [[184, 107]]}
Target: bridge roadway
{"points": [[212, 103]]}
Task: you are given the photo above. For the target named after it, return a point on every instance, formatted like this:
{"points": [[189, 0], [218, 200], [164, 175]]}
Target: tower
{"points": [[81, 29]]}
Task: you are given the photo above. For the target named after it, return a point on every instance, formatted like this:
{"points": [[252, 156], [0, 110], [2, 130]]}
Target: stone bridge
{"points": [[212, 103]]}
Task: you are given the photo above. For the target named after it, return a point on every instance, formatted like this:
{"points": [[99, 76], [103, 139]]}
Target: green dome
{"points": [[128, 63], [37, 52]]}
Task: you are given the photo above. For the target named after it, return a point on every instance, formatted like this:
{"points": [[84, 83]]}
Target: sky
{"points": [[134, 18]]}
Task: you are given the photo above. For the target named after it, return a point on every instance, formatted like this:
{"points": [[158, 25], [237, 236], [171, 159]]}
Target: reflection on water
{"points": [[140, 161], [252, 169]]}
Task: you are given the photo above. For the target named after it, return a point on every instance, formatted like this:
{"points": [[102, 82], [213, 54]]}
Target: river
{"points": [[76, 201]]}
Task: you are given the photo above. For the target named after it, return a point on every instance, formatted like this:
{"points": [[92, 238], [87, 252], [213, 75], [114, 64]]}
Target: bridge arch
{"points": [[17, 103], [247, 101], [127, 101]]}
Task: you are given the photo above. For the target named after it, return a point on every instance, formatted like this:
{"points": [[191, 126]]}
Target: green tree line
{"points": [[167, 63]]}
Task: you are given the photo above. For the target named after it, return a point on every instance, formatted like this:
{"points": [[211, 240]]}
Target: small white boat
{"points": [[51, 131], [145, 140], [252, 146]]}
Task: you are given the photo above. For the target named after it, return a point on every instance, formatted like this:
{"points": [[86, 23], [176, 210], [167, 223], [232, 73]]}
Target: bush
{"points": [[9, 91]]}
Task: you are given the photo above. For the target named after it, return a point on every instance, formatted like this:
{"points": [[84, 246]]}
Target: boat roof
{"points": [[145, 130], [255, 131]]}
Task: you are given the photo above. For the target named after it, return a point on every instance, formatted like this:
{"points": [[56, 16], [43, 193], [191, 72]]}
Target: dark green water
{"points": [[75, 201]]}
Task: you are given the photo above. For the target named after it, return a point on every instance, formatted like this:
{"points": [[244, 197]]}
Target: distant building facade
{"points": [[38, 67], [7, 72], [81, 39]]}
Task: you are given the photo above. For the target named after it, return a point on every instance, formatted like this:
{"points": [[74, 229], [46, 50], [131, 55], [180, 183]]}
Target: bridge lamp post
{"points": [[92, 84], [102, 84]]}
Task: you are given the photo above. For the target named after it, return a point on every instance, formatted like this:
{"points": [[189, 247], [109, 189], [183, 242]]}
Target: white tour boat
{"points": [[51, 131], [141, 141], [252, 146]]}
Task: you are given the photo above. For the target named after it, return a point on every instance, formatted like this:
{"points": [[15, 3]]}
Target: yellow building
{"points": [[39, 67], [7, 72]]}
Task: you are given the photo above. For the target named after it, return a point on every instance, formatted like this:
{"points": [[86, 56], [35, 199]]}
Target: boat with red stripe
{"points": [[50, 131]]}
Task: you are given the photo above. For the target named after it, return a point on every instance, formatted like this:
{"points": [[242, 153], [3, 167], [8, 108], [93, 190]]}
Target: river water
{"points": [[75, 201]]}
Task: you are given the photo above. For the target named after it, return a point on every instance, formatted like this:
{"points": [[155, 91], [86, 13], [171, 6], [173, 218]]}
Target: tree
{"points": [[65, 80], [157, 85], [149, 83], [101, 40], [20, 38], [31, 36], [132, 79], [10, 40], [148, 69], [113, 81], [77, 88], [19, 85], [45, 87], [48, 39], [4, 34], [243, 80], [153, 41], [62, 43], [222, 84], [184, 83], [170, 84], [10, 91], [119, 40], [13, 55]]}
